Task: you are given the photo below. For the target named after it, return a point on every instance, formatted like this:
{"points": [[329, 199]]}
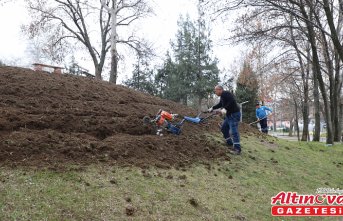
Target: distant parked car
{"points": [[283, 129]]}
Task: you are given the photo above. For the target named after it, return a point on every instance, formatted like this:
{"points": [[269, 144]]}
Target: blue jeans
{"points": [[230, 130]]}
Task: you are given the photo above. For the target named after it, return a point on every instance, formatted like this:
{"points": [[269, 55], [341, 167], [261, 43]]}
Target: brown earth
{"points": [[52, 120]]}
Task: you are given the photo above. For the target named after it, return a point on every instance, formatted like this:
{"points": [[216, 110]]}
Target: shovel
{"points": [[258, 121]]}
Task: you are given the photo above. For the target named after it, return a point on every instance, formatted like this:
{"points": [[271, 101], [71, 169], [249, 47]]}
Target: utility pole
{"points": [[241, 107]]}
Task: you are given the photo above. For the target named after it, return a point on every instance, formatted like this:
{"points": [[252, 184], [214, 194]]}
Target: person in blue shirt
{"points": [[262, 115]]}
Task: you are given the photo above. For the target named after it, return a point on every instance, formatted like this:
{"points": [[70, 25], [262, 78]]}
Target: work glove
{"points": [[223, 111], [210, 110]]}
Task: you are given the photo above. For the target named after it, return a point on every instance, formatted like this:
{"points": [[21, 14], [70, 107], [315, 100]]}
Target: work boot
{"points": [[235, 152], [229, 144], [230, 147]]}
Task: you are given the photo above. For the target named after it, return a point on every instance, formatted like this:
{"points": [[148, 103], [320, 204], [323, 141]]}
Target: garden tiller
{"points": [[164, 121]]}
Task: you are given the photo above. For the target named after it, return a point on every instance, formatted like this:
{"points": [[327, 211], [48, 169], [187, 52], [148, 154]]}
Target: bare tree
{"points": [[3, 2], [88, 23], [293, 26], [134, 9]]}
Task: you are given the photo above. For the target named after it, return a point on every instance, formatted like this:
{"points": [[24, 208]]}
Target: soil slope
{"points": [[50, 120]]}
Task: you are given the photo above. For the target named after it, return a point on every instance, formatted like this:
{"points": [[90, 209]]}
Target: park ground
{"points": [[238, 189], [72, 148]]}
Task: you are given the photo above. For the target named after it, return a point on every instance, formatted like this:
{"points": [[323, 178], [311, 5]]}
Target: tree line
{"points": [[96, 27], [295, 54], [304, 40], [189, 71]]}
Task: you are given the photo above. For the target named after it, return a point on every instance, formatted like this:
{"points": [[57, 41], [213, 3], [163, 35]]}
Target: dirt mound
{"points": [[250, 130], [54, 119]]}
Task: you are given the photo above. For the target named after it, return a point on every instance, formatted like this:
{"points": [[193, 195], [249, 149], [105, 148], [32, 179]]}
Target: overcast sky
{"points": [[159, 29]]}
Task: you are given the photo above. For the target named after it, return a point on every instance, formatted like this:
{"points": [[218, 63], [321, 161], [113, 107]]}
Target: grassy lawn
{"points": [[239, 189]]}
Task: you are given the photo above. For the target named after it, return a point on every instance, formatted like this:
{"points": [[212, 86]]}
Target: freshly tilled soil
{"points": [[52, 120]]}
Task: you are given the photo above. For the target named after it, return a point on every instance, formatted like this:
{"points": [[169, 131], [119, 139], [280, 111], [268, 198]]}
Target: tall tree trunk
{"points": [[114, 53], [318, 74], [316, 135], [296, 118], [274, 116], [338, 80], [199, 103], [329, 135], [114, 67], [291, 127], [98, 71], [330, 56], [338, 117], [305, 104], [185, 100], [337, 100], [305, 73], [334, 35], [332, 86], [340, 121]]}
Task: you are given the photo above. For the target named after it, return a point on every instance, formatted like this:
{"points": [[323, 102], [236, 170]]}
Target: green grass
{"points": [[239, 189]]}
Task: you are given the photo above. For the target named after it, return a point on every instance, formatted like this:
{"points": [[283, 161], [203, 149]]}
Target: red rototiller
{"points": [[164, 121]]}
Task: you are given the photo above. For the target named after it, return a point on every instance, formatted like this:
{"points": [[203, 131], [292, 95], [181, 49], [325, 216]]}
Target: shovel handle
{"points": [[257, 121]]}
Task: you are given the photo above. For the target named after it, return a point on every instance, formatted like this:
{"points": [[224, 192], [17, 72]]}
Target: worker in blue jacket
{"points": [[262, 115]]}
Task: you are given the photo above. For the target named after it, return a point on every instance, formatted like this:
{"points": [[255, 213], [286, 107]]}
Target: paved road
{"points": [[294, 138]]}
